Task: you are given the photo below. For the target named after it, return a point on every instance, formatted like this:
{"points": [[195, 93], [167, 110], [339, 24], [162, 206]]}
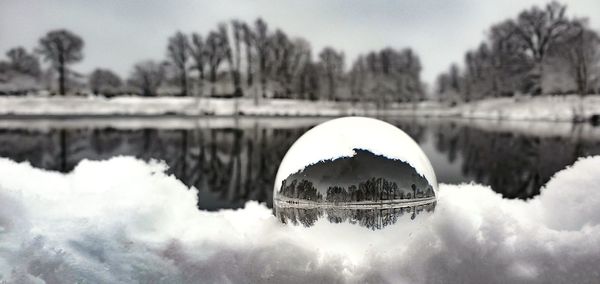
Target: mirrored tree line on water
{"points": [[234, 164], [373, 189], [373, 219], [237, 165], [515, 165]]}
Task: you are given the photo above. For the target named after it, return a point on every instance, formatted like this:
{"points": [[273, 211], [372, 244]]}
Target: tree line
{"points": [[541, 51], [236, 59], [373, 189]]}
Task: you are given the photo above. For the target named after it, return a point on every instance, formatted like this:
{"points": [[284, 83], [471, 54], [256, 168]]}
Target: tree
{"points": [[261, 44], [249, 39], [581, 50], [216, 51], [104, 81], [60, 48], [333, 67], [454, 78], [198, 52], [147, 77], [233, 55], [537, 30], [23, 62], [287, 60], [177, 52]]}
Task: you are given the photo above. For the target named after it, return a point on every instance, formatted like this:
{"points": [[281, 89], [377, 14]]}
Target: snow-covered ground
{"points": [[126, 221], [94, 105], [548, 108]]}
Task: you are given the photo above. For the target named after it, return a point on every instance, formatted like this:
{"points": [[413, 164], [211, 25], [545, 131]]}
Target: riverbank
{"points": [[541, 108]]}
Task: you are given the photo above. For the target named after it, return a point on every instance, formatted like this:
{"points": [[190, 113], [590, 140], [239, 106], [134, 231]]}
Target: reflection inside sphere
{"points": [[355, 169], [373, 217], [365, 189]]}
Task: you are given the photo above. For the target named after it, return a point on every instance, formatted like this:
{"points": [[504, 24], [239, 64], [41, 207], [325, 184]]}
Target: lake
{"points": [[232, 160]]}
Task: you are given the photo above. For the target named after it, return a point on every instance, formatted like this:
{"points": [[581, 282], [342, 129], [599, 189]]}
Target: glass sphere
{"points": [[353, 163]]}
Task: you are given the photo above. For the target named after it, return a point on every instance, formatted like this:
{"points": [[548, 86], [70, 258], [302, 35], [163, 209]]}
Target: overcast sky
{"points": [[118, 33]]}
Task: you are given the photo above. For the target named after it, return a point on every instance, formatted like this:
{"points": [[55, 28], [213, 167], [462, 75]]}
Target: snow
{"points": [[134, 105], [339, 137], [546, 108], [124, 221]]}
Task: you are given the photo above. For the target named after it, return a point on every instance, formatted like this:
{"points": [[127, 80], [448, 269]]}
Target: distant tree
{"points": [[442, 86], [454, 78], [60, 48], [333, 68], [147, 76], [198, 52], [288, 57], [261, 44], [233, 55], [387, 75], [23, 62], [581, 50], [537, 30], [104, 81], [216, 50], [358, 78], [178, 55], [309, 82], [249, 40]]}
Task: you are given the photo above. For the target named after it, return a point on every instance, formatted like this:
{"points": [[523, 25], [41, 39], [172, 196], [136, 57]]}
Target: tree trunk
{"points": [[184, 87], [61, 79]]}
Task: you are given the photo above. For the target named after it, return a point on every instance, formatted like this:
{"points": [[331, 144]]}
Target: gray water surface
{"points": [[233, 160]]}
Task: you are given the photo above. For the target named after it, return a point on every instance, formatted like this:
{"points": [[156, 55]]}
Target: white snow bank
{"points": [[134, 105], [546, 108], [125, 221]]}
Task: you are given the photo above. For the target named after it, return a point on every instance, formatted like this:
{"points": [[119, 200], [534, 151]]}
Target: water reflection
{"points": [[371, 217], [231, 163]]}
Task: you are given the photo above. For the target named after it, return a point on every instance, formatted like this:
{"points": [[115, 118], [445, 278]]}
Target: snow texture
{"points": [[339, 137], [126, 221], [544, 108]]}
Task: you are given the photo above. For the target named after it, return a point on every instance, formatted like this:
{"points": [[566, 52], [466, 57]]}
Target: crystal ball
{"points": [[354, 162]]}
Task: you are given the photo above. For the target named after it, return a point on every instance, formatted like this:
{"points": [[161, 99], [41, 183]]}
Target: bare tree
{"points": [[286, 61], [177, 52], [333, 67], [261, 44], [147, 76], [104, 81], [581, 49], [61, 47], [249, 40], [23, 62], [198, 52], [216, 50], [537, 29], [358, 78], [235, 57]]}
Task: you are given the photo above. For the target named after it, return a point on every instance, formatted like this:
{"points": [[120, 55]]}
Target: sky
{"points": [[119, 33]]}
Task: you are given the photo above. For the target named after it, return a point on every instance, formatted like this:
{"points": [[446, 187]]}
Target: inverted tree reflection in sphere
{"points": [[354, 167]]}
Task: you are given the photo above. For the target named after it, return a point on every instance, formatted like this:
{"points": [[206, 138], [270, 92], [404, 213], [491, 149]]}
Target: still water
{"points": [[233, 160]]}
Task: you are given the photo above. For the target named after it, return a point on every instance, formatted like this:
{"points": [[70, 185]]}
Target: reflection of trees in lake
{"points": [[235, 164], [515, 165], [371, 218], [239, 164]]}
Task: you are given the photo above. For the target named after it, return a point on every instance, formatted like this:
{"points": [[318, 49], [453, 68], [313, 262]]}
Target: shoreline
{"points": [[568, 108]]}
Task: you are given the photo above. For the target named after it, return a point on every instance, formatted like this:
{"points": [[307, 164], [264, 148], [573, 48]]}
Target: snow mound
{"points": [[126, 221]]}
